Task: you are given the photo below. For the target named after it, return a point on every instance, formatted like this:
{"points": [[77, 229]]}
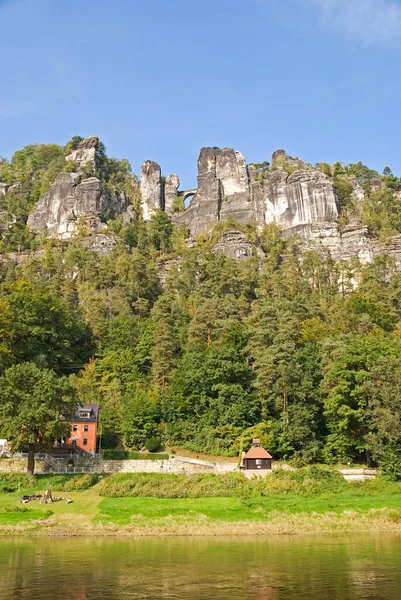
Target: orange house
{"points": [[84, 428]]}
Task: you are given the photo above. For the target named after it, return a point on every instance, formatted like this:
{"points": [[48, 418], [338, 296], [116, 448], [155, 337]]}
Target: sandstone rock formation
{"points": [[234, 244], [69, 205], [171, 186], [151, 187], [293, 194], [85, 152], [297, 200], [228, 189], [223, 191]]}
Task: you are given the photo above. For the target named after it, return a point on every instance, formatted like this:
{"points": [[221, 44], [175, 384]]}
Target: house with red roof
{"points": [[257, 458]]}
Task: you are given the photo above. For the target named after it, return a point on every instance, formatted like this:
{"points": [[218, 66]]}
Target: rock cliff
{"points": [[85, 152], [291, 193], [71, 204]]}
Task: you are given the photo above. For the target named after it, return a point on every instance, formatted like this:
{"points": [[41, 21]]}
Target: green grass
{"points": [[286, 502], [122, 511], [14, 515]]}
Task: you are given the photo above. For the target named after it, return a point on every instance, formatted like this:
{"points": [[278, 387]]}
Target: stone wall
{"points": [[19, 465], [97, 465]]}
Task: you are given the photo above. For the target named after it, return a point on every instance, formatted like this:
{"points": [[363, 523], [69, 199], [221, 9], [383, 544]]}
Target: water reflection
{"points": [[268, 568]]}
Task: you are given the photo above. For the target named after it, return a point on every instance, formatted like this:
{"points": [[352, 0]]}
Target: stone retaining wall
{"points": [[358, 474], [97, 465], [19, 465]]}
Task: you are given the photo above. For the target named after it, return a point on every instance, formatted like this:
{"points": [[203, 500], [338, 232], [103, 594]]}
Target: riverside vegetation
{"points": [[303, 501], [224, 351]]}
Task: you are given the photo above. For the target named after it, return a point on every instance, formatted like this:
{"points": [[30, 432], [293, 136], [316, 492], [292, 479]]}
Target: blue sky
{"points": [[159, 79]]}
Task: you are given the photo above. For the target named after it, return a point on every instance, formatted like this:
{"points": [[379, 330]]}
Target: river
{"points": [[265, 568]]}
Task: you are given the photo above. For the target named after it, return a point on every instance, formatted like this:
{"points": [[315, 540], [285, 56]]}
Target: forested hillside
{"points": [[293, 348]]}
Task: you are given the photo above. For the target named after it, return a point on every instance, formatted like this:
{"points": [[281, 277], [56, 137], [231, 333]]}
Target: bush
{"points": [[132, 455], [313, 481], [163, 485], [152, 444], [13, 482], [115, 454]]}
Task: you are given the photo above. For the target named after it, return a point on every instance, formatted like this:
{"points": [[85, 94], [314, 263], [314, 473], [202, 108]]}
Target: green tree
{"points": [[384, 413], [33, 402], [140, 418], [44, 329]]}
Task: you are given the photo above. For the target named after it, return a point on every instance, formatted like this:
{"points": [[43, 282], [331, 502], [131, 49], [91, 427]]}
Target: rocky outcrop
{"points": [[223, 191], [85, 152], [281, 161], [71, 204], [171, 186], [295, 201], [99, 243], [228, 189], [235, 244], [291, 193], [151, 188], [3, 189]]}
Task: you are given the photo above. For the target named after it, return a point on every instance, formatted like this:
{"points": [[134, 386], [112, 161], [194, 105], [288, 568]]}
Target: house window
{"points": [[86, 427], [85, 442], [75, 427], [84, 415], [258, 461]]}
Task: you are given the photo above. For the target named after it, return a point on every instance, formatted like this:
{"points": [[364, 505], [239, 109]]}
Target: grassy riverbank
{"points": [[305, 501]]}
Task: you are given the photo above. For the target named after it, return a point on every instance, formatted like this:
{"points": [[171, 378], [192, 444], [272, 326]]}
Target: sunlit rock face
{"points": [[171, 186], [223, 193], [299, 199], [70, 205], [228, 189], [85, 152], [151, 188]]}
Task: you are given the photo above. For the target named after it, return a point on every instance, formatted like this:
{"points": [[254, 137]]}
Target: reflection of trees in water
{"points": [[56, 568], [290, 568]]}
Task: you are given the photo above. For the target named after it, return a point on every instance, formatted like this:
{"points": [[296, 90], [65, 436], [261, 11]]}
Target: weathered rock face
{"points": [[99, 243], [293, 194], [299, 199], [171, 186], [151, 187], [228, 189], [3, 188], [223, 191], [234, 244], [70, 204], [85, 152], [281, 161]]}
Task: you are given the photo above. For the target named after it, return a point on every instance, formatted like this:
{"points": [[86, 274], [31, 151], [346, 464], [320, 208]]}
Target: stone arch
{"points": [[187, 196]]}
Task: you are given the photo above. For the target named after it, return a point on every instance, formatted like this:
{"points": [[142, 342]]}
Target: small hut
{"points": [[257, 458]]}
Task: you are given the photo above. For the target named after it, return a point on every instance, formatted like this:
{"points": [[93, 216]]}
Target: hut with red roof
{"points": [[257, 458]]}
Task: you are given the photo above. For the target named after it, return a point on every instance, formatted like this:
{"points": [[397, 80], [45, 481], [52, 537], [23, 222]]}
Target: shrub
{"points": [[163, 485], [132, 455], [115, 454], [12, 482], [152, 444]]}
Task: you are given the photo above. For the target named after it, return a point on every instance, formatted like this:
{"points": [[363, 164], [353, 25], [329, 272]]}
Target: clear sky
{"points": [[158, 79]]}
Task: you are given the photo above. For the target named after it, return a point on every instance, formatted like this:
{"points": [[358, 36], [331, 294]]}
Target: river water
{"points": [[265, 568]]}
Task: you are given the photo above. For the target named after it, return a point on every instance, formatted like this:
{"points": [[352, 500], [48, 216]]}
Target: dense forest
{"points": [[293, 348]]}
